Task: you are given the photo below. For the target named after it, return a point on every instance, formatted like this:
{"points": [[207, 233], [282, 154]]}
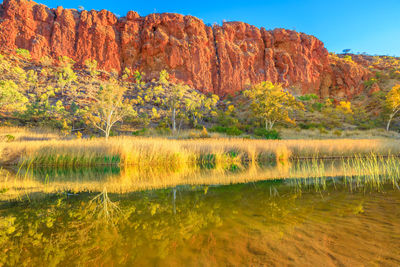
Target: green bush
{"points": [[218, 129], [233, 131], [267, 134], [311, 125], [23, 53], [308, 97], [226, 120], [318, 106], [140, 132], [367, 125], [370, 82]]}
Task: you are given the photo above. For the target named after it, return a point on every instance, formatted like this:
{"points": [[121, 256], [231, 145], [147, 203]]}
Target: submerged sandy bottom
{"points": [[271, 223], [331, 233]]}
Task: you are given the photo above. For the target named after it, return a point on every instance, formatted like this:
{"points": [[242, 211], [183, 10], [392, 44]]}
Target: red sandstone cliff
{"points": [[219, 59]]}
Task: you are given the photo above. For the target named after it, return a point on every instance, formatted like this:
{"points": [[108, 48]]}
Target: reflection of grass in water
{"points": [[377, 169], [96, 173], [358, 173]]}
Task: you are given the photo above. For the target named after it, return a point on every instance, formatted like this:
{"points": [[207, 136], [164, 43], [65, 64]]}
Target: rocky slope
{"points": [[218, 59]]}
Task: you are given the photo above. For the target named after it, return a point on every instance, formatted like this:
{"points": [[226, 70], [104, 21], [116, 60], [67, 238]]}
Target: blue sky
{"points": [[363, 26]]}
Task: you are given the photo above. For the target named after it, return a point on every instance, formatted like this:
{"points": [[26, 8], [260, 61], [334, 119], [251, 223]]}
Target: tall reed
{"points": [[176, 154]]}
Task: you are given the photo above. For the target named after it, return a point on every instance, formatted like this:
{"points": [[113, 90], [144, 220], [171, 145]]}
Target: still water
{"points": [[307, 222]]}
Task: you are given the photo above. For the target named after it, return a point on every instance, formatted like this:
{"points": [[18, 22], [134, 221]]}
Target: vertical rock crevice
{"points": [[217, 83]]}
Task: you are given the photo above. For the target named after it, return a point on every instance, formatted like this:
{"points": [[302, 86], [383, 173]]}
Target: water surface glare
{"points": [[314, 222]]}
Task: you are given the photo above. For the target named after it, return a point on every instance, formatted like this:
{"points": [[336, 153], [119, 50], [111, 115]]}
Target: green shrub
{"points": [[318, 106], [218, 129], [308, 97], [311, 125], [370, 82], [226, 120], [267, 134], [233, 131], [113, 133], [140, 132], [367, 125], [23, 53]]}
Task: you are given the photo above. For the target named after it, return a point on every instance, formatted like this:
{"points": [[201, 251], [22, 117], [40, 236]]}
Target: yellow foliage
{"points": [[344, 107], [393, 98], [393, 103], [272, 103], [231, 108], [78, 135], [348, 58], [204, 133]]}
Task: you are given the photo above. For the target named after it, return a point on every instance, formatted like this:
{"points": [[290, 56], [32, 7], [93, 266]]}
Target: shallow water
{"points": [[314, 222], [29, 181]]}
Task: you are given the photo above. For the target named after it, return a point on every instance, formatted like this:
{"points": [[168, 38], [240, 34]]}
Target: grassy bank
{"points": [[173, 155]]}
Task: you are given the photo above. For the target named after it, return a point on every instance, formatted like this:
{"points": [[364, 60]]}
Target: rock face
{"points": [[219, 59], [348, 78]]}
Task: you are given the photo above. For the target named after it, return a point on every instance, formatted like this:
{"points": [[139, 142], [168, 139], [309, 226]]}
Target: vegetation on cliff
{"points": [[88, 100]]}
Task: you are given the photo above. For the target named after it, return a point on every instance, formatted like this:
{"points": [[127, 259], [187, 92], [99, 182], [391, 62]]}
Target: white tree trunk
{"points": [[107, 133], [388, 124], [174, 120], [391, 118], [269, 125]]}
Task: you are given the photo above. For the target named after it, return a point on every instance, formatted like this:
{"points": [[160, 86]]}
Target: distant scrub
{"points": [[232, 131], [267, 134]]}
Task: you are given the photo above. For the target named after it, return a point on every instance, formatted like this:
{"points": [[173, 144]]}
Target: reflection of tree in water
{"points": [[161, 224]]}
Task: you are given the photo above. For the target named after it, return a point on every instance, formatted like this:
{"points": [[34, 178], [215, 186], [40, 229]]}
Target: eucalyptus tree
{"points": [[109, 107], [393, 103], [271, 103], [11, 98]]}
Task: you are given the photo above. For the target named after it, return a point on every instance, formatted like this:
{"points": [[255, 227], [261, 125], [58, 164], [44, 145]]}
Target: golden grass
{"points": [[27, 134], [175, 154], [291, 133]]}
